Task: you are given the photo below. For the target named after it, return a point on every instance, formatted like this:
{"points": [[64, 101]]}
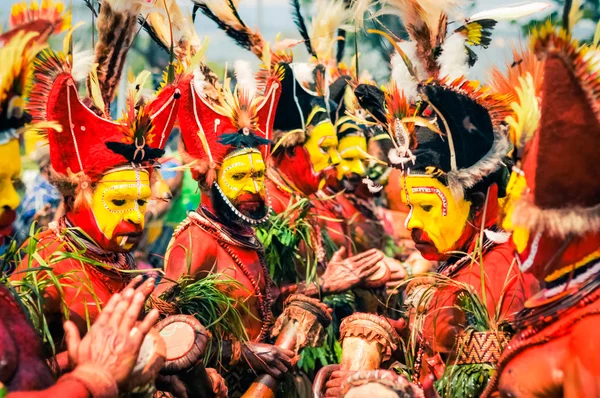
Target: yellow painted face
{"points": [[353, 153], [10, 169], [436, 217], [119, 206], [242, 173], [516, 188], [322, 146]]}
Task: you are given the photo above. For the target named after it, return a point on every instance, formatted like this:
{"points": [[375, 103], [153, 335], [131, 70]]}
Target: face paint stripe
{"points": [[434, 191]]}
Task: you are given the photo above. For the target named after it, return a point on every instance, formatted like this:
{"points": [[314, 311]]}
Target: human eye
{"points": [[426, 208], [118, 202], [238, 176], [141, 202]]}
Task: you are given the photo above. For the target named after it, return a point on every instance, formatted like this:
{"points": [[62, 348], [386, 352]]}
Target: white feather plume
{"points": [[245, 77], [303, 72], [511, 11], [82, 64], [199, 82], [400, 74], [497, 237], [454, 58], [371, 185]]}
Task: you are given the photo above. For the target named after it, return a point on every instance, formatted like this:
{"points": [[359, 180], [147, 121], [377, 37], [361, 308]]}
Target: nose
{"points": [[334, 157], [134, 216], [412, 223], [9, 198], [253, 187]]}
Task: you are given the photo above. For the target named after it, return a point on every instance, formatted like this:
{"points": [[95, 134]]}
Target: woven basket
{"points": [[481, 347]]}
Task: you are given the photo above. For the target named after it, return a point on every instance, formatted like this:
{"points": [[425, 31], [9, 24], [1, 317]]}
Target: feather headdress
{"points": [[237, 118], [172, 27], [560, 156], [438, 52], [30, 27]]}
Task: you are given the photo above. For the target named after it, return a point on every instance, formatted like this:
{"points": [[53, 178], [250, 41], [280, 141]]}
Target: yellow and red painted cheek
{"points": [[436, 217]]}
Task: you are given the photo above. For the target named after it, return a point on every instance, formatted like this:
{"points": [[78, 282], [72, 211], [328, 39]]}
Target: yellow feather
{"points": [[68, 42], [95, 92], [597, 35], [575, 14]]}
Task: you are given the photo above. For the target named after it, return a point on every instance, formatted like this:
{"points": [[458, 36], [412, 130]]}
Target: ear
{"points": [[477, 200]]}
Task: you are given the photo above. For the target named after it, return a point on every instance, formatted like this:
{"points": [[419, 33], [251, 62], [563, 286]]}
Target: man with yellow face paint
{"points": [[103, 169], [226, 138], [451, 180]]}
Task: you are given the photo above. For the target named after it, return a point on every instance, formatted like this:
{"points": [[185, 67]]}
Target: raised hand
{"points": [[113, 342], [219, 387], [269, 359], [343, 274]]}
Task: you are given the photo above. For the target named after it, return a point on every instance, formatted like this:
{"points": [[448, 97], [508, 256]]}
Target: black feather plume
{"points": [[241, 140], [235, 12], [301, 25], [89, 5], [240, 37], [341, 45], [195, 11], [372, 99]]}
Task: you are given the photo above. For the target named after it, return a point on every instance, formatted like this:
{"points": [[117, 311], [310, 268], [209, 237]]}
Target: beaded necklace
{"points": [[224, 241]]}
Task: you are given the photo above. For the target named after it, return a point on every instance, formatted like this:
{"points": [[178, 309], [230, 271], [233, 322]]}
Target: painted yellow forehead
{"points": [[417, 188], [133, 184], [243, 160]]}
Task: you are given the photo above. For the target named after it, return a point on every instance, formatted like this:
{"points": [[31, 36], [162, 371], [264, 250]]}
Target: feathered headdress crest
{"points": [[435, 52], [213, 128], [224, 13], [30, 26], [90, 144]]}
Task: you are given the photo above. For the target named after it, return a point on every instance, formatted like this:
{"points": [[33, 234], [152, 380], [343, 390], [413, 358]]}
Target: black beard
{"points": [[227, 215], [351, 183]]}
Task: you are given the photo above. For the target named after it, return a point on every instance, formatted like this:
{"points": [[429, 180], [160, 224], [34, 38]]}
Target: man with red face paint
{"points": [[102, 168], [553, 211]]}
